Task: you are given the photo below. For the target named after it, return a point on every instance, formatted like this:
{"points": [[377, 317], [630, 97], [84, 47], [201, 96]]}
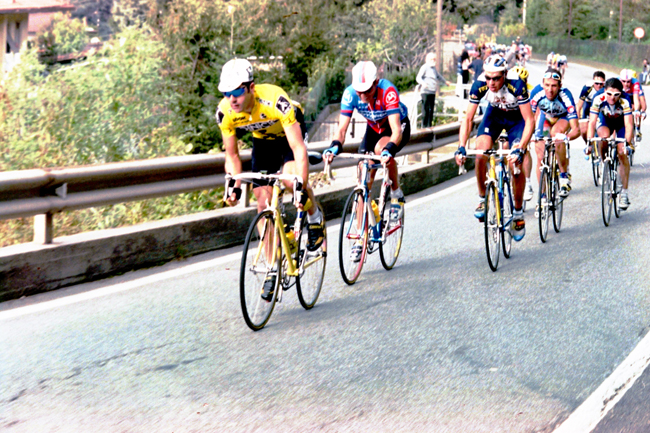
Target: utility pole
{"points": [[570, 16], [439, 36], [620, 22], [524, 16]]}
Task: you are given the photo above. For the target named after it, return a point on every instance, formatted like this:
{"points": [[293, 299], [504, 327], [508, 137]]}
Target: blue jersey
{"points": [[512, 94], [562, 107], [611, 112], [587, 95], [386, 103]]}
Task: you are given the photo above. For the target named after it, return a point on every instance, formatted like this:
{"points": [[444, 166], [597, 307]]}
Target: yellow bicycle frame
{"points": [[492, 178]]}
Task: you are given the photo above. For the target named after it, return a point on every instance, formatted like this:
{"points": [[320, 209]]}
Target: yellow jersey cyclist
{"points": [[509, 109], [612, 114], [556, 117], [388, 130], [278, 132]]}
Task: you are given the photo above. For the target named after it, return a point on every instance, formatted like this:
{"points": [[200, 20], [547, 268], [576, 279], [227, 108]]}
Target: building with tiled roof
{"points": [[14, 23]]}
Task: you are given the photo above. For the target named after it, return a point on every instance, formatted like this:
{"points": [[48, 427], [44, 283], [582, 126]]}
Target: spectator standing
{"points": [[428, 78], [465, 61], [645, 72], [477, 65]]}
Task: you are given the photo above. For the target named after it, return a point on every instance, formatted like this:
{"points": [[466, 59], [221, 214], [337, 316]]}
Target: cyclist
{"points": [[556, 116], [585, 100], [509, 109], [561, 64], [527, 165], [612, 114], [278, 128], [389, 129], [632, 86]]}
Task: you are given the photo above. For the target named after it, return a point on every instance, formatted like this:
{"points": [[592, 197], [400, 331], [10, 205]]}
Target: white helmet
{"points": [[495, 63], [364, 75], [626, 75], [234, 73]]}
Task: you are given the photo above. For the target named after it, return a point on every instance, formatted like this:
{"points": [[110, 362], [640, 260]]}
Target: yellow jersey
{"points": [[273, 110]]}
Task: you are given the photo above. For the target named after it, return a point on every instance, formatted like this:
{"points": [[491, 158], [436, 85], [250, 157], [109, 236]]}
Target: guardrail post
{"points": [[43, 228], [245, 191], [353, 123]]}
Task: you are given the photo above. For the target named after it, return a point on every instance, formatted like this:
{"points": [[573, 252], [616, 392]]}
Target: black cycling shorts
{"points": [[371, 137]]}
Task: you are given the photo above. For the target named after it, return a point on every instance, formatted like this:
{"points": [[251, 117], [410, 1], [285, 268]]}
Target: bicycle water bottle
{"points": [[371, 215], [375, 209]]}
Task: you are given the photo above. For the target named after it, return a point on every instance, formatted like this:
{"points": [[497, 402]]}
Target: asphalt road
{"points": [[438, 344]]}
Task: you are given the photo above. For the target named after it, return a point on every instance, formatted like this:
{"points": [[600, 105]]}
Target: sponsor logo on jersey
{"points": [[391, 97], [283, 105], [265, 102], [257, 126], [262, 116], [347, 98]]}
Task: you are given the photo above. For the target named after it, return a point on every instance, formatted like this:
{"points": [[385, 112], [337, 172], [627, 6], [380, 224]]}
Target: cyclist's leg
{"points": [[487, 134], [561, 127], [392, 164], [624, 166], [515, 130], [603, 131]]}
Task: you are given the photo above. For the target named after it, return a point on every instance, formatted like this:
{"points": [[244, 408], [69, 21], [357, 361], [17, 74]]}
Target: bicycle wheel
{"points": [[492, 235], [607, 196], [312, 267], [391, 234], [558, 202], [261, 258], [596, 169], [354, 232], [506, 219], [543, 204], [616, 188]]}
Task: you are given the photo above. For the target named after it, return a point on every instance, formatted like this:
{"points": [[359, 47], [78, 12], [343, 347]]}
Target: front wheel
{"points": [[558, 203], [506, 219], [596, 169], [492, 235], [607, 194], [260, 261], [391, 235], [543, 204], [352, 236], [616, 188], [311, 265]]}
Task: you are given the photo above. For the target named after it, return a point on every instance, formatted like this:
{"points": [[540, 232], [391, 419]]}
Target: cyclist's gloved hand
{"points": [[629, 148], [334, 149], [643, 113], [516, 156], [460, 155], [385, 156]]}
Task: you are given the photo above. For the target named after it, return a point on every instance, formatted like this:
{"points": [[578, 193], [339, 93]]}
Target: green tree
{"points": [[63, 35]]}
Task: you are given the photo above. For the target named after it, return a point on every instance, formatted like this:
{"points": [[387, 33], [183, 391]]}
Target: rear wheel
{"points": [[596, 168], [506, 219], [312, 267], [260, 259], [391, 234], [543, 204], [492, 235], [353, 234], [607, 196]]}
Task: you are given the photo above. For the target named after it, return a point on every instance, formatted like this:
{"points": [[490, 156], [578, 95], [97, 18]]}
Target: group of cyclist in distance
{"points": [[278, 128]]}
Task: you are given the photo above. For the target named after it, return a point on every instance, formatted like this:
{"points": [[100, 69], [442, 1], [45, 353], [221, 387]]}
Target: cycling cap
{"points": [[364, 75], [495, 63], [235, 73], [626, 75], [522, 72]]}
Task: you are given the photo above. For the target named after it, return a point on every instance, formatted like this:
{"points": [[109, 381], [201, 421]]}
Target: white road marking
{"points": [[590, 413]]}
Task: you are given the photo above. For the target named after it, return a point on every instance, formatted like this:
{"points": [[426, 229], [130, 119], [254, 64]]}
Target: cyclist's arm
{"points": [[581, 102], [591, 126], [642, 101], [233, 163], [629, 128], [344, 122], [395, 128], [466, 125], [637, 103], [529, 128], [297, 145], [574, 131]]}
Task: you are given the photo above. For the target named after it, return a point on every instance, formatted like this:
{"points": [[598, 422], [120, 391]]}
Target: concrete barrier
{"points": [[32, 268]]}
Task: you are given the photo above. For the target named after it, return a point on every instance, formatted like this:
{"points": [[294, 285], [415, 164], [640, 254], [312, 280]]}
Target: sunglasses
{"points": [[613, 95], [626, 81], [496, 78], [553, 75], [599, 83], [365, 92], [236, 93]]}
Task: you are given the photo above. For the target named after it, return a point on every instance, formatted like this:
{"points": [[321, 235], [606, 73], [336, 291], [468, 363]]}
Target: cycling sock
{"points": [[315, 218], [481, 199], [564, 175], [396, 193]]}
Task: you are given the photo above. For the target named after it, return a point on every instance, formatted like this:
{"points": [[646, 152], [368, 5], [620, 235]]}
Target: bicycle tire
{"points": [[543, 204], [255, 267], [391, 234], [616, 189], [558, 202], [350, 233], [506, 219], [606, 194], [491, 224], [596, 168], [310, 281]]}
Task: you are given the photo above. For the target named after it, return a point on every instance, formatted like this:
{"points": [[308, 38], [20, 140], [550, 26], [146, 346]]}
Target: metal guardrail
{"points": [[44, 192]]}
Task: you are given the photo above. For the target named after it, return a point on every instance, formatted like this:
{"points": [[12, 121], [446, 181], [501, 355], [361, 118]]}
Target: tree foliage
{"points": [[63, 35]]}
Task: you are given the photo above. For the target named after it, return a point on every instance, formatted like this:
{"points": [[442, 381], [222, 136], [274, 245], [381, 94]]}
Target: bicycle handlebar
{"points": [[608, 139], [249, 177]]}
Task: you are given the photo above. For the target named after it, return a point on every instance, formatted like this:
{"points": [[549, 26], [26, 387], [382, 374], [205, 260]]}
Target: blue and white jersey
{"points": [[587, 95], [562, 106], [386, 103], [601, 107], [509, 97]]}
